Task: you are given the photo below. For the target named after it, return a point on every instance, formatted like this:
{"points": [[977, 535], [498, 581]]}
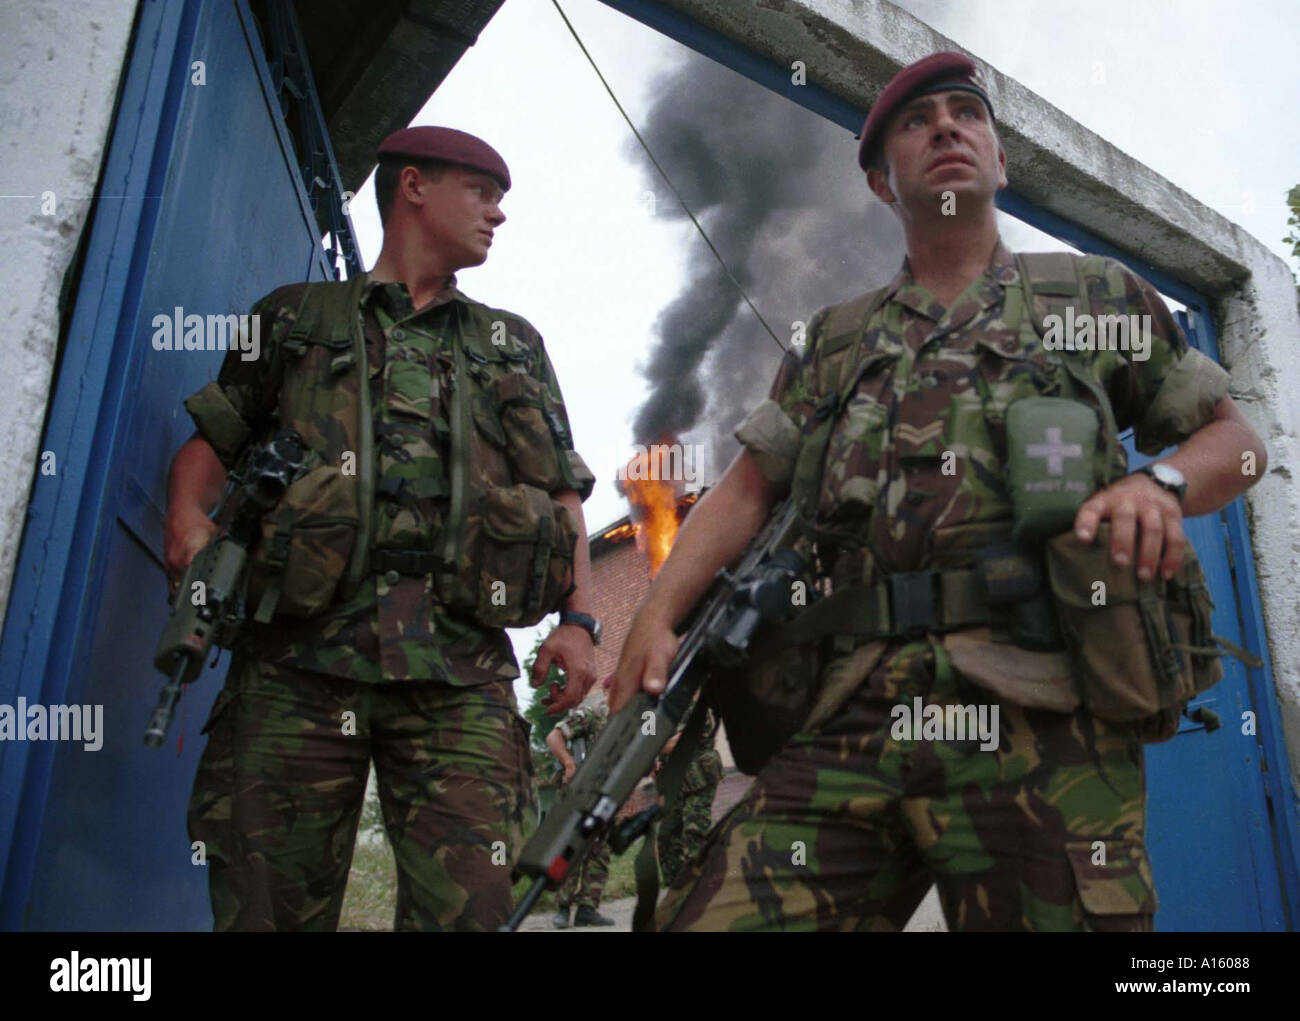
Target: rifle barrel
{"points": [[525, 906]]}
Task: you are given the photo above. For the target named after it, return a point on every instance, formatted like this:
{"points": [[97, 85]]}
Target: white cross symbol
{"points": [[1054, 450]]}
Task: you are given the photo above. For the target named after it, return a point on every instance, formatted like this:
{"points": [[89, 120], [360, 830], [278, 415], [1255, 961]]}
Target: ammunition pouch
{"points": [[307, 540], [1140, 650], [1014, 585], [516, 558]]}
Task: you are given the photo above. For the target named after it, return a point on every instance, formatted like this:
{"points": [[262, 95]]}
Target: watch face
{"points": [[1168, 474]]}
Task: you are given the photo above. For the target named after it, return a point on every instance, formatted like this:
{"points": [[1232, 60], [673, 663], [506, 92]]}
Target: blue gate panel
{"points": [[103, 841]]}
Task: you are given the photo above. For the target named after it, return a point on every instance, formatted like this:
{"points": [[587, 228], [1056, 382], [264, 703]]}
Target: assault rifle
{"points": [[208, 608], [756, 590]]}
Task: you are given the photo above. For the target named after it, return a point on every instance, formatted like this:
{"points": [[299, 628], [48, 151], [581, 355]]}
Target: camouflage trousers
{"points": [[849, 824], [281, 785], [683, 830], [585, 884]]}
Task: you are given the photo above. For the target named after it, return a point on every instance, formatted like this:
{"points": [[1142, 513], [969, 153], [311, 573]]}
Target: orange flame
{"points": [[654, 510]]}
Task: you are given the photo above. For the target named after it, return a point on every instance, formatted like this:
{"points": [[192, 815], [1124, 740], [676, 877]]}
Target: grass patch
{"points": [[370, 900]]}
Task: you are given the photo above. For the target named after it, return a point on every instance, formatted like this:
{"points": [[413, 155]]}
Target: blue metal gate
{"points": [[1219, 860], [202, 206]]}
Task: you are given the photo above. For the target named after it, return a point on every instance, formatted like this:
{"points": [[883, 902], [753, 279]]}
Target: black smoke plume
{"points": [[780, 193]]}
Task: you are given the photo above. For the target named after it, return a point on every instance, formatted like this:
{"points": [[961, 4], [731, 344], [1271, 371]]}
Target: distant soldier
{"points": [[683, 830], [569, 742]]}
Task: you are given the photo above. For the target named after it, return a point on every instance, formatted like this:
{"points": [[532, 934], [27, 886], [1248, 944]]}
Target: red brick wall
{"points": [[620, 577]]}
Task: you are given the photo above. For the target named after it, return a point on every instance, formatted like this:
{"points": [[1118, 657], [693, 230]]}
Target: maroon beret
{"points": [[448, 144], [939, 72]]}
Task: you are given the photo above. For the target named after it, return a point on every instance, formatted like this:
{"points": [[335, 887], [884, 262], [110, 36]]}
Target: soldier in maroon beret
{"points": [[444, 188], [421, 407], [939, 72], [902, 437]]}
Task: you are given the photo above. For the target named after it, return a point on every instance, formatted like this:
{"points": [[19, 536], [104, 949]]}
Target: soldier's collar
{"points": [[1002, 267], [388, 292], [1001, 271]]}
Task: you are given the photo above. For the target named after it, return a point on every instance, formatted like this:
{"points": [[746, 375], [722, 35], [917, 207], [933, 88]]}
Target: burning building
{"points": [[626, 555]]}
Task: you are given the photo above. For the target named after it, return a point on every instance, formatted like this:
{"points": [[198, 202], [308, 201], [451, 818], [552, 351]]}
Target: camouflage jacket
{"points": [[931, 381], [393, 627]]}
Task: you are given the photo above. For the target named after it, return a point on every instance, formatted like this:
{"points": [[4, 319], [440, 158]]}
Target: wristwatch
{"points": [[585, 621], [1166, 476]]}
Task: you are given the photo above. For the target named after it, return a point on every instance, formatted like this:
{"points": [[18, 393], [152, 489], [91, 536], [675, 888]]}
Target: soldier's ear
{"points": [[879, 184]]}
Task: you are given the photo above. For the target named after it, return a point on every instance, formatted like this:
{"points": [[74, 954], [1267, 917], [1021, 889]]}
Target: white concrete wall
{"points": [[59, 69]]}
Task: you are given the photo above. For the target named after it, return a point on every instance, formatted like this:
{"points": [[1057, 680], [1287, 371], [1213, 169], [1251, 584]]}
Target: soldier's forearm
{"points": [[580, 599], [557, 747], [1220, 461], [196, 480]]}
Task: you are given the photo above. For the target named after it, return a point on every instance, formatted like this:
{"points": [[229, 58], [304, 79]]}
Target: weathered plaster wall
{"points": [[59, 69]]}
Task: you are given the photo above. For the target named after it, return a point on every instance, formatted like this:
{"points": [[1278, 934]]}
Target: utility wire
{"points": [[667, 180]]}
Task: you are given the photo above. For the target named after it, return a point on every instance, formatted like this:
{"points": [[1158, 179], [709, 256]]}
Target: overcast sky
{"points": [[1202, 91]]}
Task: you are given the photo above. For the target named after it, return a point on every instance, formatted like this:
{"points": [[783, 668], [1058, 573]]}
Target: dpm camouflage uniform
{"points": [[585, 884], [683, 830], [847, 826], [385, 671]]}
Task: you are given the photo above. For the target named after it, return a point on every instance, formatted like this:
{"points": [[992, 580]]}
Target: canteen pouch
{"points": [[307, 540], [1051, 463], [517, 560], [1139, 649]]}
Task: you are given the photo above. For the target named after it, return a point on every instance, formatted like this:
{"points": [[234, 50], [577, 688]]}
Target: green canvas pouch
{"points": [[517, 564], [1139, 649], [307, 540]]}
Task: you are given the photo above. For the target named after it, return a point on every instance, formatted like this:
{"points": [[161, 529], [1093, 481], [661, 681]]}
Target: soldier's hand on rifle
{"points": [[570, 648], [185, 533], [648, 652]]}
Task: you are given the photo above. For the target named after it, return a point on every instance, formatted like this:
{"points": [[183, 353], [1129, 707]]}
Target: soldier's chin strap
{"points": [[670, 785]]}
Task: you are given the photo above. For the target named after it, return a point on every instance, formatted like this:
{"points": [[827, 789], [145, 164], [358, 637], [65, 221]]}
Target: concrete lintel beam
{"points": [[852, 48]]}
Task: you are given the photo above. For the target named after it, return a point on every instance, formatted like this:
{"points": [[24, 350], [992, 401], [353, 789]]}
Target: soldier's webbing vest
{"points": [[462, 473], [1170, 620]]}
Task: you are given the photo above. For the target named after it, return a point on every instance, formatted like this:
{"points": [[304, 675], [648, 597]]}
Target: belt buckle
{"points": [[412, 563], [912, 603]]}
